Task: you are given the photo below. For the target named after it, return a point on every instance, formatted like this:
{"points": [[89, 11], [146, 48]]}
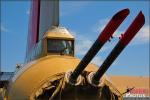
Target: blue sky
{"points": [[85, 19]]}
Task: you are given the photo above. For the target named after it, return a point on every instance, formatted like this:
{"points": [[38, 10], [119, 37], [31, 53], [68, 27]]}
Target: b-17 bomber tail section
{"points": [[52, 72]]}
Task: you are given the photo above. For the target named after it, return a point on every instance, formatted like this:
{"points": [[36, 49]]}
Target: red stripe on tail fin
{"points": [[33, 31]]}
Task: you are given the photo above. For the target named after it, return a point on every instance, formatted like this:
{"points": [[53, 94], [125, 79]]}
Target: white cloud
{"points": [[3, 29], [142, 36], [97, 61], [28, 12], [106, 47], [82, 45], [100, 25]]}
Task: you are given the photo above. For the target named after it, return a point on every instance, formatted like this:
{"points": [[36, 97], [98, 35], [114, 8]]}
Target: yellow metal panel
{"points": [[31, 77], [57, 35]]}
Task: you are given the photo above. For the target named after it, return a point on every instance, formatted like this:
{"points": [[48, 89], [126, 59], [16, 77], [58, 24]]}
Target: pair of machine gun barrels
{"points": [[105, 35]]}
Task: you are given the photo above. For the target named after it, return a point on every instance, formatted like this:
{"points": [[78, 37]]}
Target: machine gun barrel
{"points": [[113, 24], [124, 41]]}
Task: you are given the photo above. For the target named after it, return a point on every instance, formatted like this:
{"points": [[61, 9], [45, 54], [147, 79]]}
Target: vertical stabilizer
{"points": [[49, 15], [43, 15]]}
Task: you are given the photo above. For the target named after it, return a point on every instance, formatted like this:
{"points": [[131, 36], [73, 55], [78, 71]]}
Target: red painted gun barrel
{"points": [[133, 29], [108, 31], [127, 37]]}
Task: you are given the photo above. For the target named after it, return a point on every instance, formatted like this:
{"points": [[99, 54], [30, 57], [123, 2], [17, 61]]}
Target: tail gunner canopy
{"points": [[60, 41], [56, 41]]}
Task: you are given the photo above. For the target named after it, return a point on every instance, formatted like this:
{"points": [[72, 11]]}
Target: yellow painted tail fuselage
{"points": [[29, 79]]}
